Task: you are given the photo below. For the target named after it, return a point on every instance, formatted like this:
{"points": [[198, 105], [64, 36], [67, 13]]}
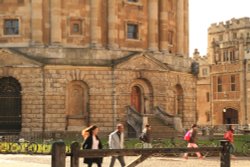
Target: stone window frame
{"points": [[219, 84], [220, 37], [233, 83], [207, 96], [205, 71], [136, 3], [138, 30], [71, 22], [19, 26]]}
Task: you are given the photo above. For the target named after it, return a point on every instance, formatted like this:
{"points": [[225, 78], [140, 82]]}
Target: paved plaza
{"points": [[45, 161]]}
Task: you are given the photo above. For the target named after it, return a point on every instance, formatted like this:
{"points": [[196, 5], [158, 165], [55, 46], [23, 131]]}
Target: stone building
{"points": [[224, 75], [66, 64]]}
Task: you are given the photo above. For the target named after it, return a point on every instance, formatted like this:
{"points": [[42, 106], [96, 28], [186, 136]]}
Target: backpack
{"points": [[142, 137], [187, 135]]}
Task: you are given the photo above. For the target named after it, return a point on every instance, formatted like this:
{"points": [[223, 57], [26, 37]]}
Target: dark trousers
{"points": [[98, 164], [120, 159]]}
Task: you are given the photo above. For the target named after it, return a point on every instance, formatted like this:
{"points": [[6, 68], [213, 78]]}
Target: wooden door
{"points": [[230, 116], [136, 98]]}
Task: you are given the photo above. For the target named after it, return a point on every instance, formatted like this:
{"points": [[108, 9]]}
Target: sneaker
{"points": [[185, 157]]}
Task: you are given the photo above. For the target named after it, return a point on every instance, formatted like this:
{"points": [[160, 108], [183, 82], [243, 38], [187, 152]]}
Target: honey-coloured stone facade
{"points": [[227, 80], [77, 64]]}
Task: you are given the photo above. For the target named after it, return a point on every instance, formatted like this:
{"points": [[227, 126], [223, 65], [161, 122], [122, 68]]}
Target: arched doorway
{"points": [[230, 116], [10, 105], [136, 98], [77, 105]]}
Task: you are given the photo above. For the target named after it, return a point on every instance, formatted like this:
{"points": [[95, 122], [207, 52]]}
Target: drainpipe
{"points": [[43, 107], [113, 96], [245, 90]]}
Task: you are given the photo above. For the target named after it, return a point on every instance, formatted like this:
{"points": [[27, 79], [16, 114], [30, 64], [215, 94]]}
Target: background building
{"points": [[66, 64], [225, 96]]}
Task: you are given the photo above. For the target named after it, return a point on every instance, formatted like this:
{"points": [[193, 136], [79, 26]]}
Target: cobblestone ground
{"points": [[45, 161]]}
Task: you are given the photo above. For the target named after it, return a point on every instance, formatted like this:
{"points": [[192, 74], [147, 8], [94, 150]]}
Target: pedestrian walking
{"points": [[229, 136], [191, 136], [116, 141], [146, 136], [93, 142]]}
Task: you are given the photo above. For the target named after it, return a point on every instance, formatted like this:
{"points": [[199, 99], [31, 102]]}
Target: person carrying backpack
{"points": [[146, 136], [229, 136], [191, 138]]}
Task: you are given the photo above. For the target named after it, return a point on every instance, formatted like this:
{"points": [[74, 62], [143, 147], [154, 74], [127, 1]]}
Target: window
{"points": [[233, 83], [170, 37], [207, 94], [220, 37], [204, 72], [11, 27], [132, 31], [225, 55], [234, 35], [219, 84], [134, 1], [232, 55], [76, 27]]}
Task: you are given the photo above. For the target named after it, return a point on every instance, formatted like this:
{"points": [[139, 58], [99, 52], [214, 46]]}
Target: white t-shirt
{"points": [[95, 142]]}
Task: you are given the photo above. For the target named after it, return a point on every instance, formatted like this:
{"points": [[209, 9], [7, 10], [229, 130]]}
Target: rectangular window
{"points": [[220, 37], [76, 27], [232, 55], [233, 83], [204, 72], [170, 37], [219, 84], [11, 27], [234, 35], [134, 1], [208, 99], [225, 55], [132, 31]]}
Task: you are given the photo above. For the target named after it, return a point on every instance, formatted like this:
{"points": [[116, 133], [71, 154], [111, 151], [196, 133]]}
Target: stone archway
{"points": [[141, 96], [10, 105], [230, 116], [77, 100]]}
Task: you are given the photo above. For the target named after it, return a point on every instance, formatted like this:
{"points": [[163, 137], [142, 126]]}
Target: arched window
{"points": [[10, 105]]}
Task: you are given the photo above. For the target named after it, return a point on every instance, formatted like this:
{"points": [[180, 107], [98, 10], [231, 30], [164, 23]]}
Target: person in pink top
{"points": [[229, 135], [192, 142]]}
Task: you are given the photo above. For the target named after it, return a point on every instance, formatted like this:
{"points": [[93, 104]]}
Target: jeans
{"points": [[147, 145], [120, 159]]}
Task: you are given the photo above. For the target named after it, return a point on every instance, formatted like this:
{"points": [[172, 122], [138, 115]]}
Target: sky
{"points": [[202, 13]]}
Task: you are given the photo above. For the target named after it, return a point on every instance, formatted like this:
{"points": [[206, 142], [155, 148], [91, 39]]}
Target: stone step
{"points": [[161, 130]]}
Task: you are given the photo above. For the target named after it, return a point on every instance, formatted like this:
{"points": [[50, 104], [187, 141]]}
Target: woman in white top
{"points": [[93, 142]]}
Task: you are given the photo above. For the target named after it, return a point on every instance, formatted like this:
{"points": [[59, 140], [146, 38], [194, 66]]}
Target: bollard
{"points": [[225, 153], [58, 154], [74, 159]]}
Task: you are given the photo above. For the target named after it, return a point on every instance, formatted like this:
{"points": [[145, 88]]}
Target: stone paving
{"points": [[45, 161]]}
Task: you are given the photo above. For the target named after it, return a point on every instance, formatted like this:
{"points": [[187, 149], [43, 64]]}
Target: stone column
{"points": [[152, 25], [55, 14], [180, 27], [36, 22], [163, 26], [95, 23], [112, 27], [186, 28]]}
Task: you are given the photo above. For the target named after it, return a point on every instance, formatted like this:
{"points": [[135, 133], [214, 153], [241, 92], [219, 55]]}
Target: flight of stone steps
{"points": [[160, 130]]}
